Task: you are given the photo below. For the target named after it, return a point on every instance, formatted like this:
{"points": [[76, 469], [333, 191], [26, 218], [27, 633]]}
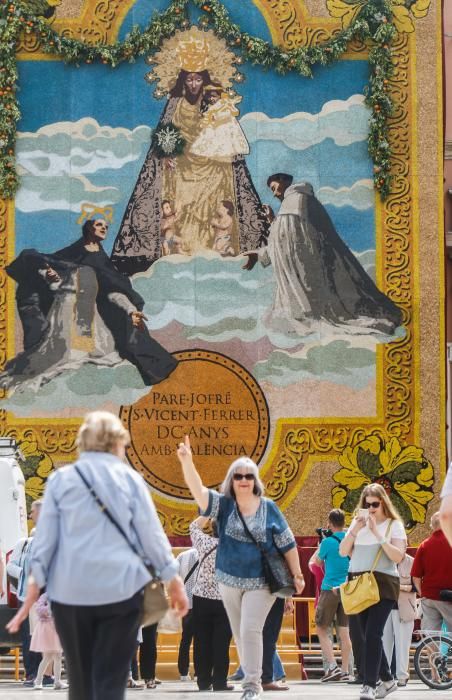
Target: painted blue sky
{"points": [[121, 100]]}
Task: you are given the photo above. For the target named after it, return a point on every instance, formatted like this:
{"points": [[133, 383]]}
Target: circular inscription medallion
{"points": [[212, 399]]}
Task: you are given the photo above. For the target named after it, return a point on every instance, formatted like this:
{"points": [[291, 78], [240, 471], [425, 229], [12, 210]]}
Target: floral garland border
{"points": [[374, 24]]}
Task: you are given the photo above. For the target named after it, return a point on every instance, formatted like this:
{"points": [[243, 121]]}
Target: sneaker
{"points": [[37, 686], [157, 681], [385, 688], [48, 681], [401, 683], [151, 684], [185, 678], [61, 685], [132, 684], [333, 674], [345, 677], [367, 693], [250, 695]]}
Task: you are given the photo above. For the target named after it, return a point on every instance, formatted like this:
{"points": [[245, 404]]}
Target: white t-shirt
{"points": [[447, 486], [366, 547]]}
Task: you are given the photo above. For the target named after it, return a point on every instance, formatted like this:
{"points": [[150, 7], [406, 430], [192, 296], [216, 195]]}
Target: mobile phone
{"points": [[363, 513]]}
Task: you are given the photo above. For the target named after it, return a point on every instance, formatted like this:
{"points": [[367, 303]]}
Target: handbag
{"points": [[361, 592], [155, 603], [276, 571]]}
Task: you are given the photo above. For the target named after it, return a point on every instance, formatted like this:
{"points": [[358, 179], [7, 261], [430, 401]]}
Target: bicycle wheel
{"points": [[433, 661]]}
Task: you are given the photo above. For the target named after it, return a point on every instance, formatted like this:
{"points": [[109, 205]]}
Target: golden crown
{"points": [[193, 54]]}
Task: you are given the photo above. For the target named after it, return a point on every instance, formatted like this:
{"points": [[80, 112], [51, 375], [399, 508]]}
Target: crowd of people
{"points": [[92, 612]]}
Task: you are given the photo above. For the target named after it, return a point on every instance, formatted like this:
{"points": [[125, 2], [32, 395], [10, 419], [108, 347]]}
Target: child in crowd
{"points": [[221, 136], [222, 224], [171, 242], [45, 640]]}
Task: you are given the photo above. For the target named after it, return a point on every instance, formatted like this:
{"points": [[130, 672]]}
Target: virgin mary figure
{"points": [[180, 192]]}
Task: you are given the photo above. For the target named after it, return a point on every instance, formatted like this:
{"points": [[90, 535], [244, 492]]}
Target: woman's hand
{"points": [[299, 583], [184, 451], [178, 597], [372, 525], [138, 318], [359, 522], [288, 606], [14, 624], [170, 163]]}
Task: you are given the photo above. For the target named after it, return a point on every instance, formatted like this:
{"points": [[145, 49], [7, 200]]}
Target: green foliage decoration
{"points": [[373, 25]]}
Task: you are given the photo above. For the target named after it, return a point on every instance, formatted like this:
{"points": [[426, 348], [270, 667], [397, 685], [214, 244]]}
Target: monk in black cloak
{"points": [[41, 282]]}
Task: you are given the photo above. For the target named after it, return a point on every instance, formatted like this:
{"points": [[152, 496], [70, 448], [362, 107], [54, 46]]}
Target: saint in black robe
{"points": [[35, 298]]}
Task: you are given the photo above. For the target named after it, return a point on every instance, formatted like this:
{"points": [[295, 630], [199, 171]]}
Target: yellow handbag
{"points": [[361, 592]]}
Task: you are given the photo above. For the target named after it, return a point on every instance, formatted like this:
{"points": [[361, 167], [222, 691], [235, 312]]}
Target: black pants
{"points": [[31, 659], [98, 643], [357, 640], [374, 664], [270, 635], [148, 652], [212, 637], [183, 659]]}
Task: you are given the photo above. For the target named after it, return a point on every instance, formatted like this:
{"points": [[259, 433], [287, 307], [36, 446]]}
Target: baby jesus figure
{"points": [[222, 224], [171, 242], [221, 136]]}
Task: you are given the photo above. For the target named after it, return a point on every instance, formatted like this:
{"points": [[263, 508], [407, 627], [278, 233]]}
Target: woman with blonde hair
{"points": [[92, 575], [376, 540], [246, 522]]}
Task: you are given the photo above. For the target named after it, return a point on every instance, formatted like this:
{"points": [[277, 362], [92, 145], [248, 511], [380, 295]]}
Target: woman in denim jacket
{"points": [[239, 569]]}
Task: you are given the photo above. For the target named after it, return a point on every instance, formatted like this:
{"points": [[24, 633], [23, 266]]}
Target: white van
{"points": [[13, 514]]}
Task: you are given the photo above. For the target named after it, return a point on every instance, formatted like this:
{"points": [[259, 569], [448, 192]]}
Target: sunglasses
{"points": [[239, 477], [374, 504]]}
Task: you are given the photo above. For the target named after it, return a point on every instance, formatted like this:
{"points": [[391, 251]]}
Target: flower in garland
{"points": [[36, 466], [168, 141], [404, 472], [403, 12]]}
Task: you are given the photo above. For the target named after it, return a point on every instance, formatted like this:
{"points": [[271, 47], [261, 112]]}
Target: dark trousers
{"points": [[270, 635], [374, 664], [212, 637], [31, 659], [183, 659], [148, 652], [357, 640], [98, 643]]}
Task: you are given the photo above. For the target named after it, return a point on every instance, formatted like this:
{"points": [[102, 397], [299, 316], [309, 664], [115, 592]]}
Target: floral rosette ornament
{"points": [[405, 474], [37, 467], [168, 141]]}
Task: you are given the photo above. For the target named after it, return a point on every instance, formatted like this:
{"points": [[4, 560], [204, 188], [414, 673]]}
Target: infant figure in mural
{"points": [[222, 224], [171, 242], [221, 136]]}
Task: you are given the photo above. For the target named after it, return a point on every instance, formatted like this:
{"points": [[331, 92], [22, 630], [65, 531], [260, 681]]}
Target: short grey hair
{"points": [[226, 487], [101, 431]]}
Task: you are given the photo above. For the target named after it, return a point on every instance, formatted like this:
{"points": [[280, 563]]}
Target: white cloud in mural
{"points": [[54, 163], [343, 121], [80, 147], [360, 195], [63, 192]]}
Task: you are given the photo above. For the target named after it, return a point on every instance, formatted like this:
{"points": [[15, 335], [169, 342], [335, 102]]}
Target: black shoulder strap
{"points": [[333, 537], [192, 570]]}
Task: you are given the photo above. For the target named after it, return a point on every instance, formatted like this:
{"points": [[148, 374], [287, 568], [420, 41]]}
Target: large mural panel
{"points": [[197, 245]]}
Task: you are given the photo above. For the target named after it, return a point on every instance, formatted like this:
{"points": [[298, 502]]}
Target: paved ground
{"points": [[170, 690]]}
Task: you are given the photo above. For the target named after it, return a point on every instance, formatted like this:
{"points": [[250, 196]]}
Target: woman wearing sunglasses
{"points": [[239, 569], [376, 526]]}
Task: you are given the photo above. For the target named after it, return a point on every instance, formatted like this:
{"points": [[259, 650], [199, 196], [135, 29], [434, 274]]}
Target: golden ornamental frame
{"points": [[297, 442]]}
